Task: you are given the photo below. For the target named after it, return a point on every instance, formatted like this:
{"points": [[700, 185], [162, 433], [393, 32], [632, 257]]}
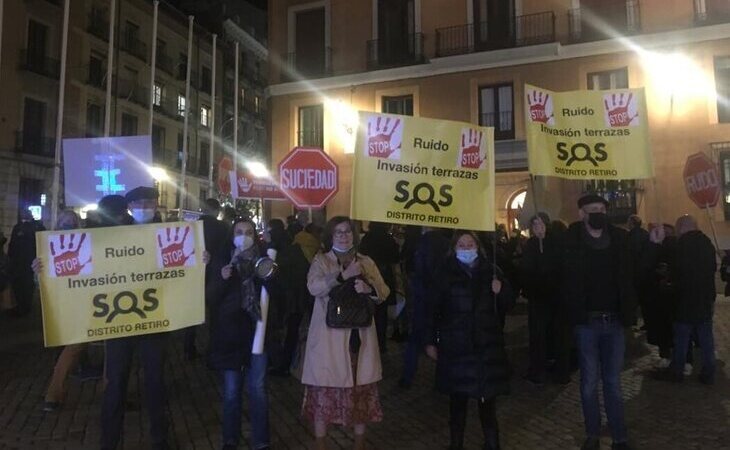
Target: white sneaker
{"points": [[663, 363], [687, 370]]}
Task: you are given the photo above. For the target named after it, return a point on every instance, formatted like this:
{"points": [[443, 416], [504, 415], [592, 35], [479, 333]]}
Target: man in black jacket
{"points": [[692, 269], [21, 253], [598, 291]]}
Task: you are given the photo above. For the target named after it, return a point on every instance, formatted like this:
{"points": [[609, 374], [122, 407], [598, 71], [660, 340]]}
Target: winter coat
{"points": [[540, 270], [383, 250], [21, 251], [693, 271], [467, 330], [217, 237], [309, 244], [288, 291], [573, 294], [231, 328], [327, 357]]}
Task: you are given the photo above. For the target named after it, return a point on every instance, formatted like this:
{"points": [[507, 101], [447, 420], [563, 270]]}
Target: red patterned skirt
{"points": [[342, 406]]}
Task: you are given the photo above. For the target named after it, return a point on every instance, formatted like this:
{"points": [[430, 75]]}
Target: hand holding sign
{"points": [[65, 254], [617, 109], [384, 137], [172, 246]]}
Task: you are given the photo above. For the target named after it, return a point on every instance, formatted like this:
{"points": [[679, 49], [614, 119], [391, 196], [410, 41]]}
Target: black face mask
{"points": [[597, 220]]}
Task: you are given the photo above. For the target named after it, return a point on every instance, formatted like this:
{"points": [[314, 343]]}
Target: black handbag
{"points": [[347, 308]]}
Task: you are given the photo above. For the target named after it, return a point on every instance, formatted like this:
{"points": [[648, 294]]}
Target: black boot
{"points": [[491, 441], [457, 438], [457, 421]]}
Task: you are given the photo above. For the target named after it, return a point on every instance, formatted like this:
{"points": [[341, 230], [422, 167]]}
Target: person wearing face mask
{"points": [[599, 300], [142, 203], [234, 307], [465, 336], [341, 366]]}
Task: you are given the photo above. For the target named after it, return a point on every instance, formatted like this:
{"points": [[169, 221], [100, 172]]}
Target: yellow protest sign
{"points": [[415, 171], [105, 283], [584, 135]]}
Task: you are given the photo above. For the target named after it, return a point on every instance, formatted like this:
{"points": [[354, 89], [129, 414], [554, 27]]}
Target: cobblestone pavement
{"points": [[659, 415]]}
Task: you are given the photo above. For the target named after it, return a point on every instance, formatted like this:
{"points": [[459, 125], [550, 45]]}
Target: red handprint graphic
{"points": [[70, 257], [618, 112], [471, 155], [541, 107], [385, 135], [176, 247]]}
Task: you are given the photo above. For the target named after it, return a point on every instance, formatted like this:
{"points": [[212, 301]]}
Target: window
{"points": [[182, 67], [205, 116], [158, 143], [311, 126], [96, 70], [609, 79], [398, 105], [205, 79], [37, 41], [131, 31], [94, 120], [621, 194], [204, 160], [30, 191], [256, 104], [495, 110], [129, 125], [157, 94], [180, 105], [34, 124], [722, 85], [310, 57]]}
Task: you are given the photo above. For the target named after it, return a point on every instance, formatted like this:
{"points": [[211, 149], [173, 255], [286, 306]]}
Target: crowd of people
{"points": [[447, 293]]}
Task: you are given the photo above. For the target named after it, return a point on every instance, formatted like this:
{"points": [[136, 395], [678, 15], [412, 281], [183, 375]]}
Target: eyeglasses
{"points": [[340, 233]]}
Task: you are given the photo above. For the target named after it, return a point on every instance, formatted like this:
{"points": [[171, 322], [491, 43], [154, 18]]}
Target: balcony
{"points": [[182, 73], [33, 143], [622, 17], [165, 156], [168, 107], [382, 54], [711, 12], [131, 91], [316, 65], [130, 44], [35, 62], [164, 63], [98, 24], [531, 29]]}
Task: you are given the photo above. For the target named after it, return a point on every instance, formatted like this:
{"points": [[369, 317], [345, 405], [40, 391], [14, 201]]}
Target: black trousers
{"points": [[119, 354], [23, 289], [381, 325], [487, 417], [549, 336]]}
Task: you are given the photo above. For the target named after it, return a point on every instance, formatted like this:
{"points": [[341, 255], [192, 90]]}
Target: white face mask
{"points": [[467, 256], [342, 250], [242, 242], [143, 215]]}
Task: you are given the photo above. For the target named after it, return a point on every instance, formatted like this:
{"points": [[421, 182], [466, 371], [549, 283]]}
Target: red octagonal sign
{"points": [[308, 177], [702, 180]]}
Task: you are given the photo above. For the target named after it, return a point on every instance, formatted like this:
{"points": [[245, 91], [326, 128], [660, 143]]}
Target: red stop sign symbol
{"points": [[308, 177], [702, 180]]}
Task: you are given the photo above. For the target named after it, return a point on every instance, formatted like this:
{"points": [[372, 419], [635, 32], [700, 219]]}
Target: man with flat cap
{"points": [[598, 292], [142, 203]]}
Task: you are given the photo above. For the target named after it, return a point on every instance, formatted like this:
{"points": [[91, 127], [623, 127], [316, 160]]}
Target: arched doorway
{"points": [[514, 208]]}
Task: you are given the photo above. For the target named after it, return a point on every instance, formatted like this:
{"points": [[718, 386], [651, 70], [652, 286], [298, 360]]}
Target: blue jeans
{"points": [[258, 403], [682, 337], [601, 349]]}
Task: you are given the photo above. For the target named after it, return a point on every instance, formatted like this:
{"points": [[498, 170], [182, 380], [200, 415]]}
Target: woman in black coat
{"points": [[467, 338]]}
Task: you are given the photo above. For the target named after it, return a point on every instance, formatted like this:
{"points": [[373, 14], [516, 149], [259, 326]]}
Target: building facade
{"points": [[29, 83], [469, 60]]}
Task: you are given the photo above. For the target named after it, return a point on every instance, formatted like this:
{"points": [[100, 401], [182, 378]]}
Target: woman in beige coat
{"points": [[341, 366]]}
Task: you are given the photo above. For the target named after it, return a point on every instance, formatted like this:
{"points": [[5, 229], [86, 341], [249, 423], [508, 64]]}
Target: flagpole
{"points": [[184, 165], [109, 66], [59, 116], [2, 11], [153, 64], [212, 116], [235, 110]]}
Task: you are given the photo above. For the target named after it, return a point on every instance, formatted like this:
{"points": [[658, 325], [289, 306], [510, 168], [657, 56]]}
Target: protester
{"points": [[466, 338], [599, 298], [341, 366], [234, 302], [293, 226], [423, 272], [290, 298], [21, 253], [692, 268], [638, 241], [309, 240], [549, 334], [383, 250], [142, 202]]}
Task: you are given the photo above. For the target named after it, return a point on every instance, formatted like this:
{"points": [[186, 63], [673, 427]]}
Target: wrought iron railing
{"points": [[616, 18], [33, 143], [132, 45], [530, 29], [98, 24], [41, 64], [306, 65]]}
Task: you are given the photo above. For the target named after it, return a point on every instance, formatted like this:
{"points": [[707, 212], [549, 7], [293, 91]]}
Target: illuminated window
{"points": [[181, 105], [204, 116], [722, 85], [495, 110], [157, 95]]}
